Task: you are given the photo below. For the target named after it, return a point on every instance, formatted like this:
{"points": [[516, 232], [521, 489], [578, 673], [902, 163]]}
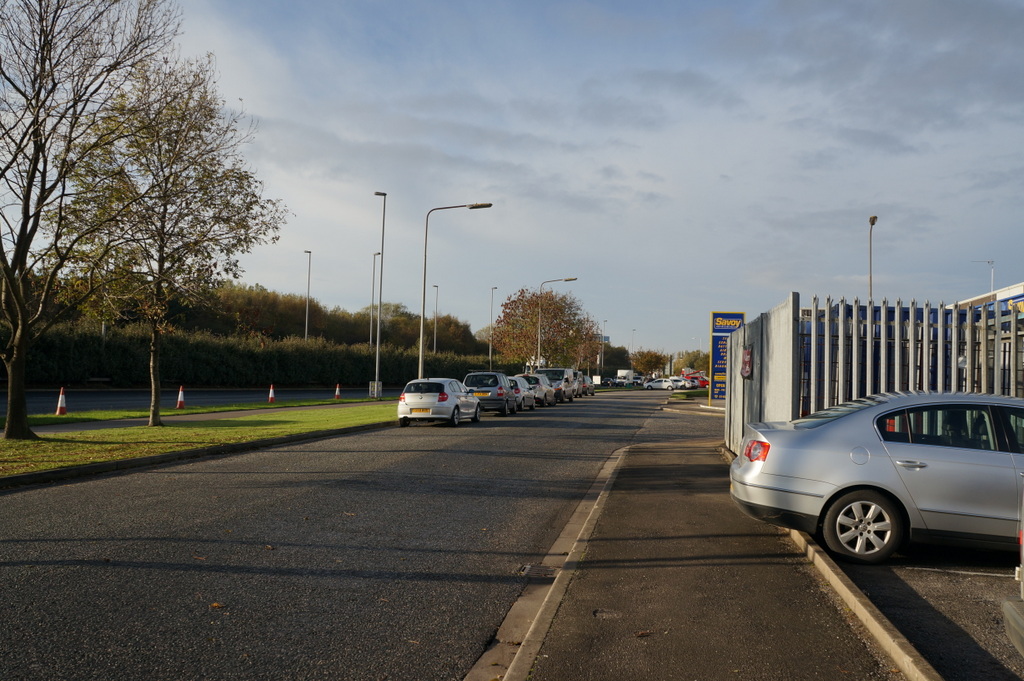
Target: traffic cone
{"points": [[271, 398], [181, 398], [337, 392], [62, 406]]}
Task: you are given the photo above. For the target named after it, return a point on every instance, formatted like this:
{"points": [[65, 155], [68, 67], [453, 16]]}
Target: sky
{"points": [[677, 157]]}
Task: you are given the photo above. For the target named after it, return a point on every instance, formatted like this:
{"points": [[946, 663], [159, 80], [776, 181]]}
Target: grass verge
{"points": [[92, 446]]}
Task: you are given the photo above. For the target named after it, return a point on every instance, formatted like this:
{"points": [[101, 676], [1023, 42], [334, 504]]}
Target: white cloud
{"points": [[678, 158]]}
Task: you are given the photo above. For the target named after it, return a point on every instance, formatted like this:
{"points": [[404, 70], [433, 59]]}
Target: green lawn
{"points": [[92, 446]]}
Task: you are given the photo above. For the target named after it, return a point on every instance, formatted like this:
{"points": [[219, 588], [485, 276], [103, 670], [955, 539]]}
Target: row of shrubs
{"points": [[120, 358]]}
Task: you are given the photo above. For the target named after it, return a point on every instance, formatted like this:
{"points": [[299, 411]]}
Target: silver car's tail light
{"points": [[756, 450]]}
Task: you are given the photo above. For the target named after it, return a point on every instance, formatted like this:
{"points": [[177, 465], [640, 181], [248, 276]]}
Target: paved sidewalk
{"points": [[677, 583]]}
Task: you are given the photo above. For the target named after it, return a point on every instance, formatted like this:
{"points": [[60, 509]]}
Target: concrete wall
{"points": [[771, 393]]}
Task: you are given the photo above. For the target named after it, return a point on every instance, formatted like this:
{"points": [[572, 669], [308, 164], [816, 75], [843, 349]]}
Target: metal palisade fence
{"points": [[795, 360]]}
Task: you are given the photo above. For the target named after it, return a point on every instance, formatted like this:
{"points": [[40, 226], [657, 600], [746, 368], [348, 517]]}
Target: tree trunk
{"points": [[16, 426], [154, 376]]}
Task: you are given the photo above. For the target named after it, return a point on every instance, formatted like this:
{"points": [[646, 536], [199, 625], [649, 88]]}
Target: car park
{"points": [[659, 384], [867, 476], [437, 399], [494, 391], [525, 398], [562, 380], [543, 393]]}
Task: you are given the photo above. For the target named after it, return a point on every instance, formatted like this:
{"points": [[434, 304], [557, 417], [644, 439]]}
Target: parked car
{"points": [[659, 384], [437, 399], [697, 378], [562, 380], [869, 475], [525, 398], [680, 383], [543, 393], [587, 385], [494, 391]]}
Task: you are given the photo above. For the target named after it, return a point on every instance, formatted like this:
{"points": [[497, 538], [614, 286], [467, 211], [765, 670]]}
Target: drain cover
{"points": [[537, 571]]}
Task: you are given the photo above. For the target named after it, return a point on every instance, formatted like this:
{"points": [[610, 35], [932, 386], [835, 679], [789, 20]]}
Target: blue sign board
{"points": [[722, 324]]}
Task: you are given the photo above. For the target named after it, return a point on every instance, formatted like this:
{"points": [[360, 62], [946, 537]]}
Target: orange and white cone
{"points": [[62, 406], [181, 398], [337, 392], [271, 398]]}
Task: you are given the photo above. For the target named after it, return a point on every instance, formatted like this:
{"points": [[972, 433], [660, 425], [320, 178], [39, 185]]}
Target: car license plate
{"points": [[481, 394], [420, 411]]}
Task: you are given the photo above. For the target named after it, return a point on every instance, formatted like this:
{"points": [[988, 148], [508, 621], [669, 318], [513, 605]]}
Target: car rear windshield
{"points": [[424, 388], [481, 381], [820, 418], [532, 380]]}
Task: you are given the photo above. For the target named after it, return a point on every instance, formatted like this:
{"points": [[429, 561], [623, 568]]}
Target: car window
{"points": [[482, 380], [945, 425], [532, 380], [1015, 428], [423, 387]]}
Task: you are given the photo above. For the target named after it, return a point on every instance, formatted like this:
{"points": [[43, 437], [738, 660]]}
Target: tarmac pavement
{"points": [[669, 580]]}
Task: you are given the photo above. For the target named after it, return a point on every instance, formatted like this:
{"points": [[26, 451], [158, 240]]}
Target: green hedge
{"points": [[73, 356]]}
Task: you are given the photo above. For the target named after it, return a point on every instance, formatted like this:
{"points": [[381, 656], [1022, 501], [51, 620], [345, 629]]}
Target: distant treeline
{"points": [[236, 309], [78, 355]]}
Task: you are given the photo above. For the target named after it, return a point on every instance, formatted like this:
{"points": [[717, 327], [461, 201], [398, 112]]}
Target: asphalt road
{"points": [[386, 555], [946, 601]]}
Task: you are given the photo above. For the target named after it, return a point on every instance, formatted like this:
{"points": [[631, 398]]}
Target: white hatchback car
{"points": [[660, 384], [437, 399]]}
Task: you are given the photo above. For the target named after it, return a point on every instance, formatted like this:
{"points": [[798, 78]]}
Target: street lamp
{"points": [[540, 301], [871, 228], [604, 334], [373, 292], [490, 331], [423, 297], [631, 339], [309, 269], [436, 291], [380, 294], [992, 279]]}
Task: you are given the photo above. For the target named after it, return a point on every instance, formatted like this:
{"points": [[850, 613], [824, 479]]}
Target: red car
{"points": [[697, 378]]}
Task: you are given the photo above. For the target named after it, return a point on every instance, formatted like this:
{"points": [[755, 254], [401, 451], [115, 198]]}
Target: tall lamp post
{"points": [[490, 331], [380, 295], [871, 228], [540, 301], [992, 278], [373, 293], [436, 292], [309, 269], [604, 334], [423, 297]]}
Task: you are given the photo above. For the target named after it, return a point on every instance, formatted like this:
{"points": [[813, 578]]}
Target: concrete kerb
{"points": [[72, 472], [909, 661], [896, 646], [522, 633]]}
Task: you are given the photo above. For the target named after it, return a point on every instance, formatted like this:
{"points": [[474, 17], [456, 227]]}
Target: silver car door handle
{"points": [[912, 464]]}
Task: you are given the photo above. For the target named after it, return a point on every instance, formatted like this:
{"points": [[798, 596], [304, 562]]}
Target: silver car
{"points": [[437, 399], [543, 393], [525, 398], [869, 475]]}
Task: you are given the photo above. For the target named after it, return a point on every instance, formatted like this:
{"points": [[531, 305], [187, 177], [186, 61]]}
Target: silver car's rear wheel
{"points": [[456, 417], [864, 527]]}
